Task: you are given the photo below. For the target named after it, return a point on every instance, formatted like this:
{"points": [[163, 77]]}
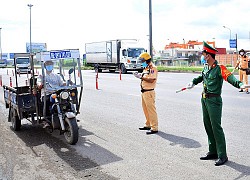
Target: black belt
{"points": [[144, 90], [243, 69], [209, 95]]}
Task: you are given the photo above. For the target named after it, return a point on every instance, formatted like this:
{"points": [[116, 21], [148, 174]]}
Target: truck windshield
{"points": [[22, 60], [135, 52]]}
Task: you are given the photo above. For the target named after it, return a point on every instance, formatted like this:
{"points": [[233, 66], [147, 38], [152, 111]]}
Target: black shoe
{"points": [[209, 156], [241, 90], [145, 128], [221, 161], [151, 132]]}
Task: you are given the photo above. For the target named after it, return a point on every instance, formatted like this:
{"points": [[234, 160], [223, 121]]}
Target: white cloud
{"points": [[69, 24]]}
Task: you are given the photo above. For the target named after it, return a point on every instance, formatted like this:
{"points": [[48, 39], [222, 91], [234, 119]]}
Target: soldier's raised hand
{"points": [[190, 85]]}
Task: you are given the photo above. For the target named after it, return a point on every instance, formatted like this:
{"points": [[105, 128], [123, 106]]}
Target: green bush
{"points": [[184, 69], [69, 63]]}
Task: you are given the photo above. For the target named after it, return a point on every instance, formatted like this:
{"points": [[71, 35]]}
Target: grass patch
{"points": [[184, 69], [179, 69]]}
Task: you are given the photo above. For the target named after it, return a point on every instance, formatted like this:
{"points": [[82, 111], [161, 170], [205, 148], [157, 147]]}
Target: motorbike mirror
{"points": [[71, 70]]}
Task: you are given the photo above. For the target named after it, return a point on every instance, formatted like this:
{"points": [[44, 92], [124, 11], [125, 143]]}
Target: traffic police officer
{"points": [[242, 65], [148, 83], [212, 78]]}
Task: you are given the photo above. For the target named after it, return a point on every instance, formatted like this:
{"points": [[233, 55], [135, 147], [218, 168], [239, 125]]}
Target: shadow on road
{"points": [[178, 140], [91, 149], [35, 135], [245, 170]]}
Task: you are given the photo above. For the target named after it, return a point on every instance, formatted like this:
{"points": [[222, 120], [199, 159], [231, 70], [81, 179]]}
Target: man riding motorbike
{"points": [[52, 80]]}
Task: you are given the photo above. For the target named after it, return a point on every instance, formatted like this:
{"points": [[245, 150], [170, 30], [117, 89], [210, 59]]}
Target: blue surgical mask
{"points": [[144, 64], [49, 67], [203, 60]]}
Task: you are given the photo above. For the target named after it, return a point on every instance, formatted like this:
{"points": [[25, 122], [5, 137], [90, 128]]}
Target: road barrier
{"points": [[96, 82], [7, 72], [1, 80], [120, 74], [12, 72], [10, 82], [96, 73]]}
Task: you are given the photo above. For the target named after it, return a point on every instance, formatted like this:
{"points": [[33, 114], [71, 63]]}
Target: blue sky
{"points": [[70, 24]]}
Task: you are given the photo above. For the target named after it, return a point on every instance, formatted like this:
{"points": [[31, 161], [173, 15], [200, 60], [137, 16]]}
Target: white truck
{"points": [[113, 55], [22, 63]]}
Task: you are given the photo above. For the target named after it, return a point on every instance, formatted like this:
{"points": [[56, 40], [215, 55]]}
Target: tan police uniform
{"points": [[148, 97], [242, 63]]}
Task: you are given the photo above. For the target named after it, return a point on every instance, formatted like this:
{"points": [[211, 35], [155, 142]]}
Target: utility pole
{"points": [[236, 45], [150, 30], [30, 6], [229, 42], [1, 56]]}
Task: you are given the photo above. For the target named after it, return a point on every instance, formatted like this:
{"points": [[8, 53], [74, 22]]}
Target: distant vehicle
{"points": [[3, 63], [113, 55], [23, 64]]}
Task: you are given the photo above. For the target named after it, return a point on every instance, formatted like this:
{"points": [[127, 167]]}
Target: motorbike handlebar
{"points": [[57, 88]]}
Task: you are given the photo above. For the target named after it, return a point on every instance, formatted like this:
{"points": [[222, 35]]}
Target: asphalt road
{"points": [[111, 141]]}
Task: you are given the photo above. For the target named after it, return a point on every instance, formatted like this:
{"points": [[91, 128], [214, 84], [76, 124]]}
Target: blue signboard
{"points": [[233, 43], [60, 54], [11, 55], [36, 47]]}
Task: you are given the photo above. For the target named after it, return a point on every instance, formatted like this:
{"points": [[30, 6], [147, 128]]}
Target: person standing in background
{"points": [[242, 65]]}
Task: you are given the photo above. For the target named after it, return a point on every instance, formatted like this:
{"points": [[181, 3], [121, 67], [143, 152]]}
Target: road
{"points": [[112, 147]]}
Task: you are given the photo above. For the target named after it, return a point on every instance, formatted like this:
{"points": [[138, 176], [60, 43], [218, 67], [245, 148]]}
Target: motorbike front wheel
{"points": [[71, 131]]}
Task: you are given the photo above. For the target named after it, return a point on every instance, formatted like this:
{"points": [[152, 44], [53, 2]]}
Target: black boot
{"points": [[209, 156]]}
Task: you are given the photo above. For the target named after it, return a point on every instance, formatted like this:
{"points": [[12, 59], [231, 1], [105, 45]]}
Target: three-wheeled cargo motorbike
{"points": [[53, 106]]}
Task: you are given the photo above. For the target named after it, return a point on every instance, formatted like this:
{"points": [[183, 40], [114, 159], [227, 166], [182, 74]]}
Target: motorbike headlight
{"points": [[64, 95]]}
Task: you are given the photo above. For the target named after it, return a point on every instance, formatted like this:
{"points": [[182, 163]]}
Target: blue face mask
{"points": [[49, 67], [203, 60], [144, 64]]}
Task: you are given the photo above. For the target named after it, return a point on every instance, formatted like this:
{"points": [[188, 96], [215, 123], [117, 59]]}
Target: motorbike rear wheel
{"points": [[71, 131], [15, 121]]}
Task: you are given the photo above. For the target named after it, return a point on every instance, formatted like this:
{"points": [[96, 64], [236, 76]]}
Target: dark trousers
{"points": [[212, 111], [48, 105]]}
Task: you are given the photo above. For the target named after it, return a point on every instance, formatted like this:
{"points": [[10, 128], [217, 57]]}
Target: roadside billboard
{"points": [[36, 47], [4, 56]]}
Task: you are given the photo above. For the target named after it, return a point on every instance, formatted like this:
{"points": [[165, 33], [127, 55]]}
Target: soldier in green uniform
{"points": [[212, 77]]}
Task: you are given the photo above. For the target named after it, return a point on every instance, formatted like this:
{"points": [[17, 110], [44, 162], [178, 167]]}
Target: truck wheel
{"points": [[15, 121], [123, 69], [71, 131], [97, 69]]}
